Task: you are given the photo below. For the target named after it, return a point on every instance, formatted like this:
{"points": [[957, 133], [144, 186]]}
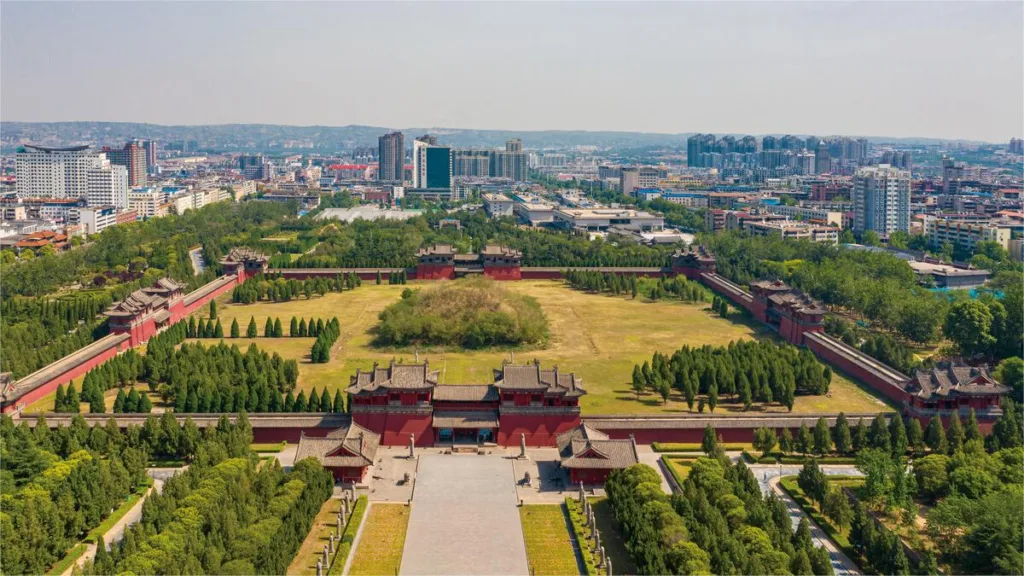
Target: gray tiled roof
{"points": [[393, 377], [466, 393], [466, 419], [530, 377], [350, 447], [949, 379], [585, 447], [243, 255]]}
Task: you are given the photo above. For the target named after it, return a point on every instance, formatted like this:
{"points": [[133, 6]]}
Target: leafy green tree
{"points": [[765, 440], [213, 309], [915, 435], [278, 329], [969, 325], [268, 328], [293, 328], [897, 436], [339, 402], [836, 508], [639, 383], [860, 436], [954, 434], [325, 402], [250, 332], [786, 440], [218, 330], [804, 440], [822, 437], [1010, 372], [841, 435], [234, 328], [709, 444], [812, 481], [971, 430], [878, 435], [935, 436], [931, 473]]}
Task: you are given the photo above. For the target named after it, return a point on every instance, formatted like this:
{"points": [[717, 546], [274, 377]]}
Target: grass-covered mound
{"points": [[470, 313]]}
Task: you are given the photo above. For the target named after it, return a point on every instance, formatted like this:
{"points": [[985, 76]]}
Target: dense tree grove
{"points": [[472, 313], [162, 243], [720, 524], [326, 335], [38, 331], [878, 345], [879, 286], [677, 288], [228, 516], [276, 288], [58, 484], [393, 244], [746, 371]]}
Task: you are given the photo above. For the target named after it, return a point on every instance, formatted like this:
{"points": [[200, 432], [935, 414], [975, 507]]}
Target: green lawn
{"points": [[680, 467], [383, 539], [549, 548], [71, 557], [599, 337]]}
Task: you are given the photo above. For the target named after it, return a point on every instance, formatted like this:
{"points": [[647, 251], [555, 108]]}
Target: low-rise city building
{"points": [[600, 219]]}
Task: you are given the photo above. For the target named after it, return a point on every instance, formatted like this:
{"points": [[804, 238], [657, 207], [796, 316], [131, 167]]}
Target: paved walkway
{"points": [[841, 563], [464, 518], [116, 532]]}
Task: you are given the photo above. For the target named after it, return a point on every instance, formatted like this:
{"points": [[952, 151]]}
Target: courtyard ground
{"points": [[464, 518], [599, 337], [381, 543], [549, 547]]}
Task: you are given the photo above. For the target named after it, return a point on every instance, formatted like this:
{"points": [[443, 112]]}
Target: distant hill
{"points": [[326, 139]]}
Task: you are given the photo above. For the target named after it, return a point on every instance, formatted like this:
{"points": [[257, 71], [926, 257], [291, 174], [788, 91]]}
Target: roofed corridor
{"points": [[464, 518]]}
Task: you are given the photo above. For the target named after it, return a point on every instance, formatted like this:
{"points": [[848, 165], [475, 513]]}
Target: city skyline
{"points": [[202, 68]]}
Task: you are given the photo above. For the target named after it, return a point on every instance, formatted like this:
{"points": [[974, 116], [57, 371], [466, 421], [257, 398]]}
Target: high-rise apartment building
{"points": [[391, 155], [696, 147], [107, 185], [151, 150], [791, 143], [822, 159], [952, 176], [770, 143], [61, 173], [473, 163], [510, 164], [132, 157], [253, 166], [881, 199], [805, 163], [898, 159], [514, 145], [431, 164], [1016, 146]]}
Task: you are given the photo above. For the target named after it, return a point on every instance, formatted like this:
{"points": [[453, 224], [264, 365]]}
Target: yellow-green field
{"points": [[382, 541], [598, 337], [549, 548]]}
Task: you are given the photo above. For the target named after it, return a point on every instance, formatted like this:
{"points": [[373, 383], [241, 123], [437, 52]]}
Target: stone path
{"points": [[464, 518], [768, 477], [116, 532]]}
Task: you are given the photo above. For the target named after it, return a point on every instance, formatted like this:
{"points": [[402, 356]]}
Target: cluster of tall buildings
{"points": [[436, 166], [1016, 146], [77, 172], [777, 155]]}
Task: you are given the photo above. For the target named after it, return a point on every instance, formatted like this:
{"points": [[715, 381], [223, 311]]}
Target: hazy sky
{"points": [[951, 70]]}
